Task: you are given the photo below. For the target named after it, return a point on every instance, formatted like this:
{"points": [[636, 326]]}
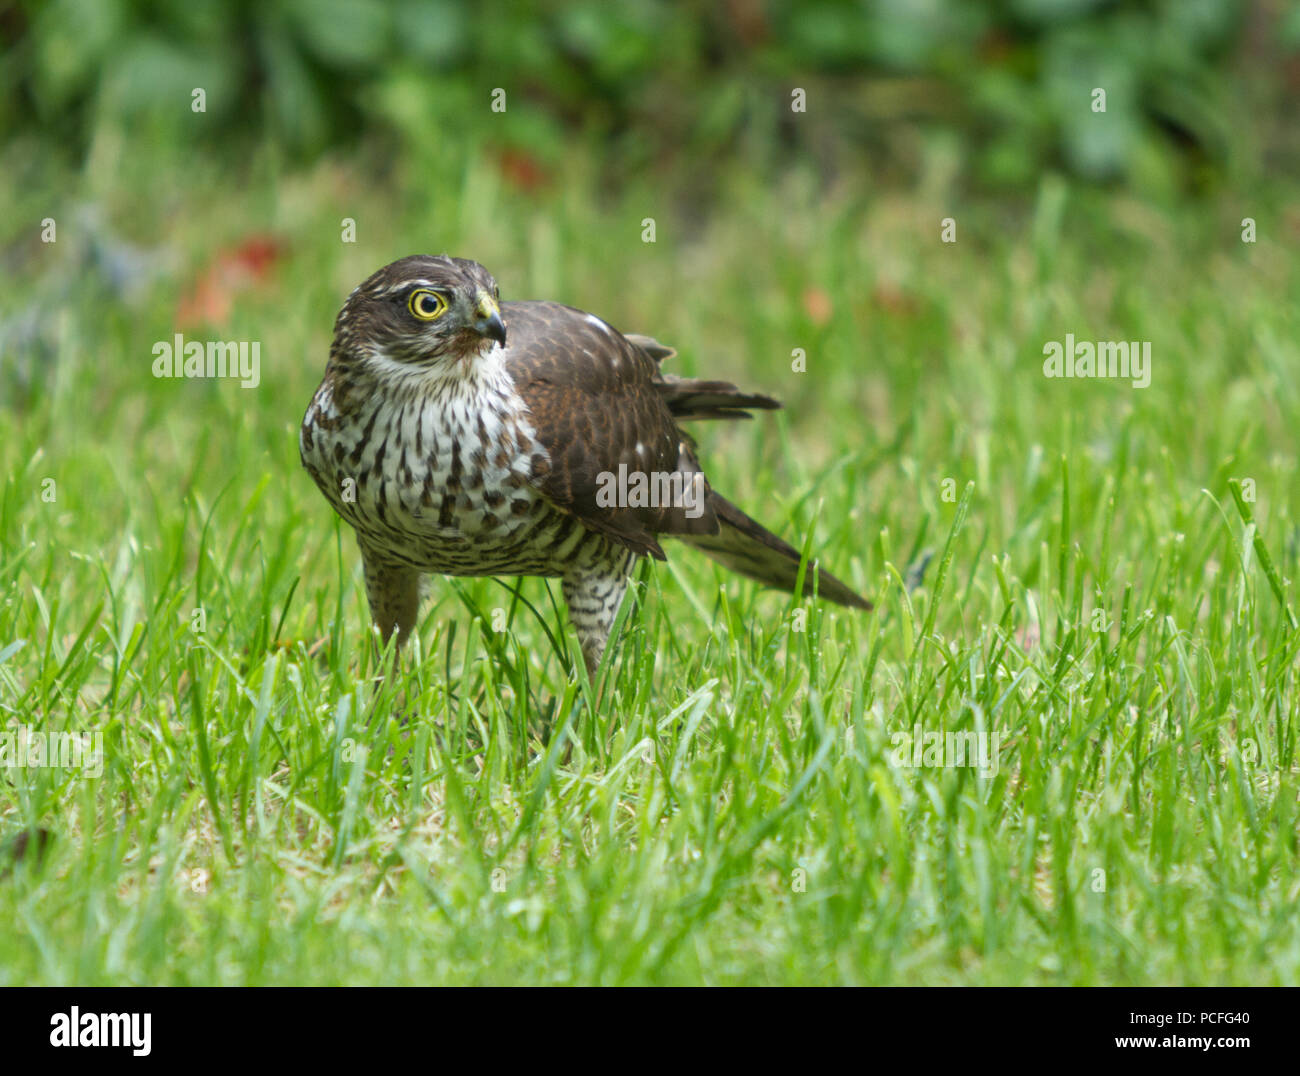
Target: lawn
{"points": [[1093, 578]]}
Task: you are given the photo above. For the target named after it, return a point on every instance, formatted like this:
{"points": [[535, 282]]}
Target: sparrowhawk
{"points": [[459, 435]]}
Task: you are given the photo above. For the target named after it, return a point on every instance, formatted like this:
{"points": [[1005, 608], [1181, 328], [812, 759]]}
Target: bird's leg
{"points": [[394, 595], [593, 598]]}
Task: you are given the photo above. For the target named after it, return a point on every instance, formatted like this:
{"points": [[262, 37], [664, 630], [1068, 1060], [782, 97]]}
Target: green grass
{"points": [[271, 811]]}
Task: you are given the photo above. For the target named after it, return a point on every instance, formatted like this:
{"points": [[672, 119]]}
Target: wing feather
{"points": [[598, 410]]}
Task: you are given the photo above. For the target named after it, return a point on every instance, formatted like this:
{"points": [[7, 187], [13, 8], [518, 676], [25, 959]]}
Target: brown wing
{"points": [[690, 398], [597, 406]]}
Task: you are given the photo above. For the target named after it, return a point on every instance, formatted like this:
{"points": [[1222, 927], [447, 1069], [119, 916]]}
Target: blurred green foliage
{"points": [[686, 82]]}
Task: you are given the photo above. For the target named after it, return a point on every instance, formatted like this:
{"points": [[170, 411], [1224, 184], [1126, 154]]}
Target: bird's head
{"points": [[422, 311]]}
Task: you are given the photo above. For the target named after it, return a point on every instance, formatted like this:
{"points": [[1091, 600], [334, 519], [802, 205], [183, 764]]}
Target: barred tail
{"points": [[751, 549]]}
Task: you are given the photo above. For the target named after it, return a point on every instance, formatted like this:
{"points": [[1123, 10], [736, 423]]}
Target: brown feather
{"points": [[593, 398], [747, 547]]}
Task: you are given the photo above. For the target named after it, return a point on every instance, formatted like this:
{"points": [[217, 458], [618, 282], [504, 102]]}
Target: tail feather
{"points": [[740, 543], [749, 548], [689, 398]]}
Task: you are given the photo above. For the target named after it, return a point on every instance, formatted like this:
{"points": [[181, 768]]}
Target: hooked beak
{"points": [[488, 321]]}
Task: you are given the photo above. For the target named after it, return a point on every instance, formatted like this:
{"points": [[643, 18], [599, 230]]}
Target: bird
{"points": [[461, 435]]}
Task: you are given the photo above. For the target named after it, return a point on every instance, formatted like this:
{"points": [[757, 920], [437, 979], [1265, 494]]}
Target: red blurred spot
{"points": [[522, 170], [1292, 217], [1291, 72], [748, 21], [232, 270], [995, 46], [890, 298], [818, 306]]}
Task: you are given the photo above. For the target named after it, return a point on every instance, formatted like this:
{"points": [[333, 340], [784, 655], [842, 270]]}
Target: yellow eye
{"points": [[426, 305]]}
